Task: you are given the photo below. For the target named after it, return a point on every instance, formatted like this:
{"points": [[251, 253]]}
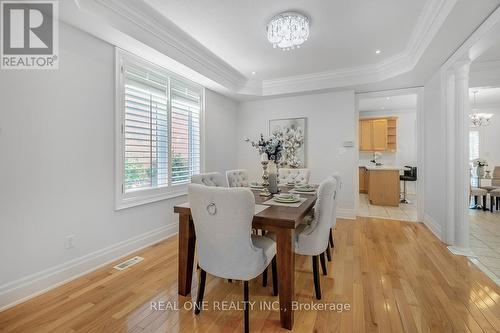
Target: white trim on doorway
{"points": [[419, 91]]}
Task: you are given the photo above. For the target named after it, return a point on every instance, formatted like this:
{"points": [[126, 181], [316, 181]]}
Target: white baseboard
{"points": [[434, 227], [20, 290], [461, 251], [346, 213]]}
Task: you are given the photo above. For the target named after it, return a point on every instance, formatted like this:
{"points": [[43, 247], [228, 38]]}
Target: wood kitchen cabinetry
{"points": [[383, 187], [363, 180], [378, 134]]}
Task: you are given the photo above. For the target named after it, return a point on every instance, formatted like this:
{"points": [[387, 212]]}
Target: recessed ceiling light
{"points": [[253, 73], [378, 51], [387, 98]]}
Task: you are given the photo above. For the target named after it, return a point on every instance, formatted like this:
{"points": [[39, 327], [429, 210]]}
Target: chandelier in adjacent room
{"points": [[479, 119], [288, 30]]}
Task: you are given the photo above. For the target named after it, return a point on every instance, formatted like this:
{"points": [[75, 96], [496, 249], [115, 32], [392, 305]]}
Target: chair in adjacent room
{"points": [[495, 180], [209, 179], [409, 175], [477, 192], [237, 178], [226, 248], [495, 199]]}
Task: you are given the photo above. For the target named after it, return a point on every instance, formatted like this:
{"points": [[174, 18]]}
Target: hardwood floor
{"points": [[395, 276]]}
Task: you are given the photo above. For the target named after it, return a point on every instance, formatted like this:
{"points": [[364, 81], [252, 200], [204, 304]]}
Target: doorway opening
{"points": [[388, 155]]}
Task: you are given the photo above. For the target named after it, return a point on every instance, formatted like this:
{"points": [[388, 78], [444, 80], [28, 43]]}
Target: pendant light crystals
{"points": [[288, 30], [479, 119]]}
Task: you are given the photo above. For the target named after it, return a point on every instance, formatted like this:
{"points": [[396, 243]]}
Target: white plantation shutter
{"points": [[160, 117], [186, 106], [473, 145], [145, 130]]}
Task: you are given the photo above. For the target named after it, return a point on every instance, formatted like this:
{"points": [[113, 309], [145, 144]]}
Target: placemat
{"points": [[271, 202], [259, 208]]}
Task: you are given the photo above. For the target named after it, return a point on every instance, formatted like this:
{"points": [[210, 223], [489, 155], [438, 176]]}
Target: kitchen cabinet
{"points": [[378, 134], [383, 187], [363, 180]]}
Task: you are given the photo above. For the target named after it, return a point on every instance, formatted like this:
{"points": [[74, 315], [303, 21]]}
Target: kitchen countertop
{"points": [[382, 167]]}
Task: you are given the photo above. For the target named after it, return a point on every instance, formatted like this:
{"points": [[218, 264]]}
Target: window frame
{"points": [[475, 129], [144, 196]]}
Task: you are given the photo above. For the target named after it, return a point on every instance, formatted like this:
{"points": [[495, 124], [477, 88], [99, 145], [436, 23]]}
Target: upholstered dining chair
{"points": [[477, 192], [495, 180], [237, 178], [300, 176], [495, 199], [331, 243], [312, 239], [209, 179], [222, 220]]}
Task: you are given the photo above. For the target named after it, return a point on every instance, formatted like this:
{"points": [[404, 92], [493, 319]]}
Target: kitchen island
{"points": [[381, 183]]}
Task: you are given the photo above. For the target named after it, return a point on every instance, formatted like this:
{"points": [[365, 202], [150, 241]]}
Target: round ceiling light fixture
{"points": [[288, 30]]}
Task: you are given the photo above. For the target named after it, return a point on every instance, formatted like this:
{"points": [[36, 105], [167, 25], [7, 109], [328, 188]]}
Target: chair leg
{"points": [[331, 238], [328, 253], [491, 203], [484, 203], [245, 299], [201, 291], [264, 278], [275, 277], [317, 286], [323, 263], [475, 200]]}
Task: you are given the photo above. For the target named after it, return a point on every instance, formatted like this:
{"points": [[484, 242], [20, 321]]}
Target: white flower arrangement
{"points": [[480, 162]]}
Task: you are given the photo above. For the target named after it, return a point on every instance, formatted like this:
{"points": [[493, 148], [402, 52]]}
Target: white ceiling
{"points": [[485, 98], [389, 103], [344, 34], [493, 54], [219, 43]]}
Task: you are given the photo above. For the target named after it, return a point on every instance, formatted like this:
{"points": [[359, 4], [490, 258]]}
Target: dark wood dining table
{"points": [[281, 220]]}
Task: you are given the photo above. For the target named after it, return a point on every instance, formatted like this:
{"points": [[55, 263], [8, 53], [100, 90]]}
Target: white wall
{"points": [[331, 119], [220, 143], [435, 157], [56, 170], [406, 152]]}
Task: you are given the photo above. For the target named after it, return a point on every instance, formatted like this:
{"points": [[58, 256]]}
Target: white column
{"points": [[449, 79], [462, 179]]}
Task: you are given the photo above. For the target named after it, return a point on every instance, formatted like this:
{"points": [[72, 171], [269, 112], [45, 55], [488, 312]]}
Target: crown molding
{"points": [[140, 21]]}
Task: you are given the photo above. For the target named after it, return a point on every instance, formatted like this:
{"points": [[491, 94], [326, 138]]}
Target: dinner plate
{"points": [[294, 200], [305, 189]]}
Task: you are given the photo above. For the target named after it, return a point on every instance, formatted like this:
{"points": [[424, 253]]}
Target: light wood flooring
{"points": [[396, 276]]}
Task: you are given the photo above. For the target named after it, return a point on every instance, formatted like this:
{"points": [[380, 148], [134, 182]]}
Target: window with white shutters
{"points": [[185, 132], [159, 141]]}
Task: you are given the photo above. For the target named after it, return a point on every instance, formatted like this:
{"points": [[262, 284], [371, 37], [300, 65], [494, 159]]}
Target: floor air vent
{"points": [[126, 264]]}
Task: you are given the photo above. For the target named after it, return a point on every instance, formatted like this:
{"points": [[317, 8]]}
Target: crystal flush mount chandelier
{"points": [[479, 119], [288, 30]]}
